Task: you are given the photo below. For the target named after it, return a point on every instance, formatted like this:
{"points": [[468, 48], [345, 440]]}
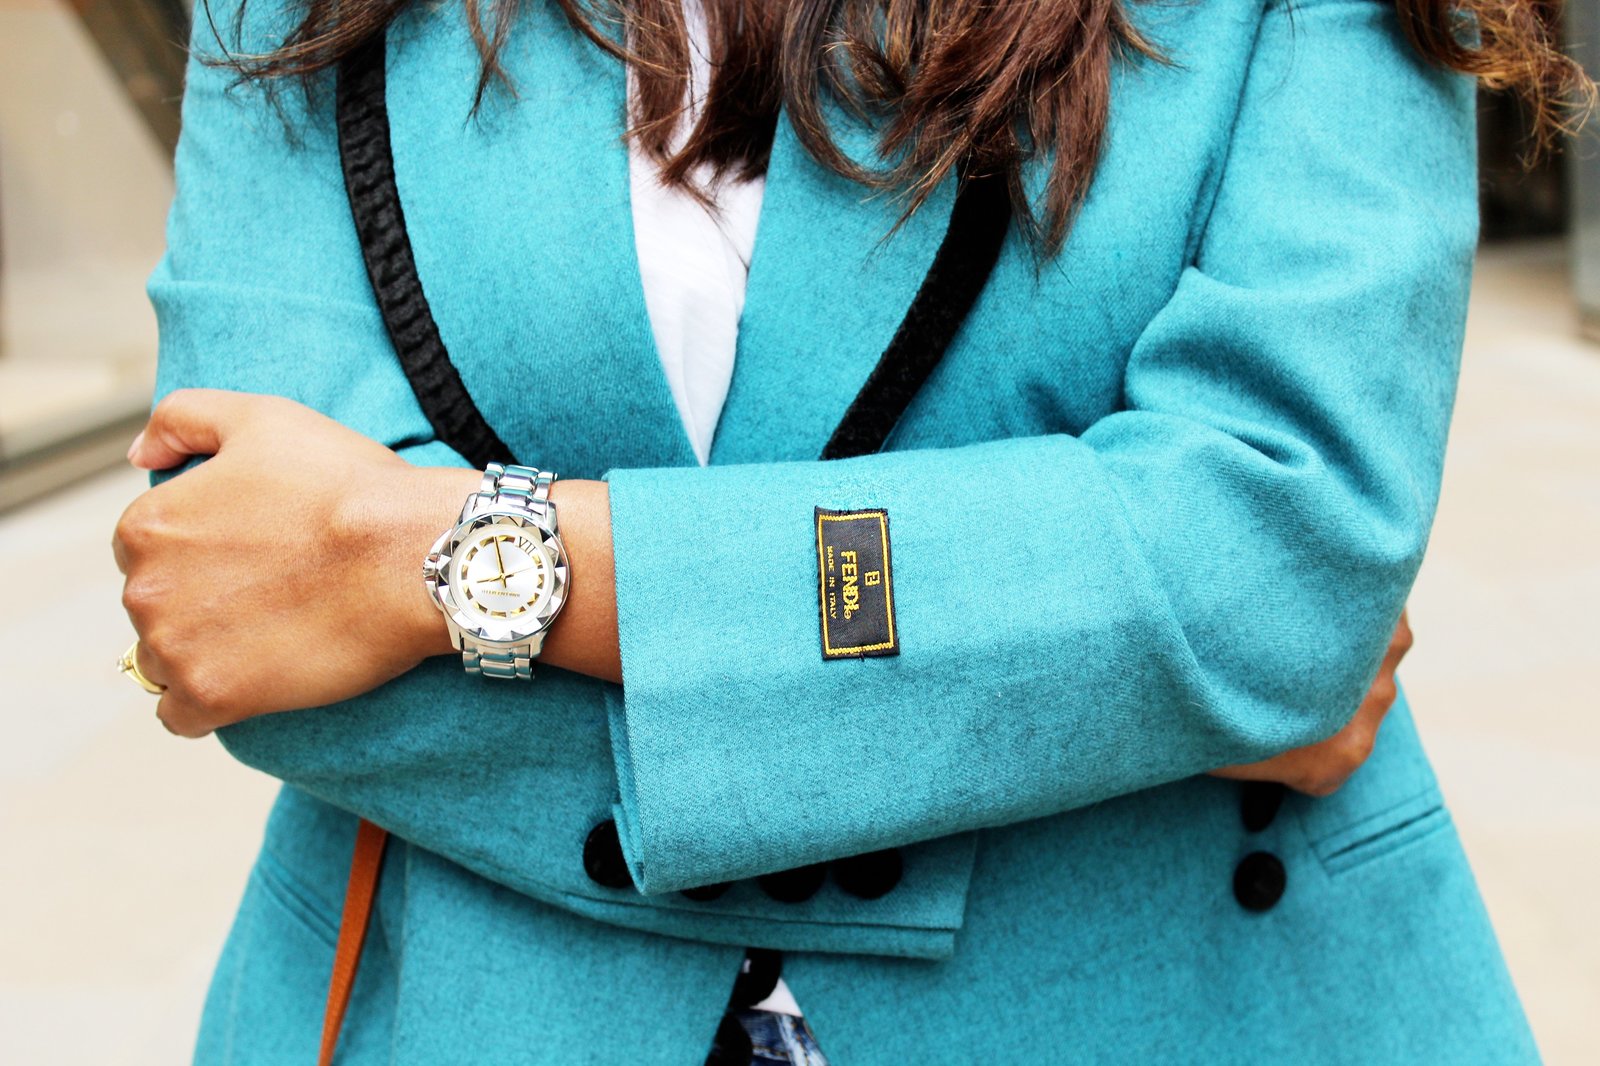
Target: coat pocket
{"points": [[297, 901], [1388, 804], [1381, 833]]}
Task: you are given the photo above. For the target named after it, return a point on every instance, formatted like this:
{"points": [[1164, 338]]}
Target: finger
{"points": [[1253, 771], [151, 665], [180, 717], [187, 423], [1280, 768], [1402, 640], [119, 553], [1385, 689]]}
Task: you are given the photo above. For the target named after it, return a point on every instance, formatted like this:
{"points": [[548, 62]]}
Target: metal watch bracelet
{"points": [[506, 487]]}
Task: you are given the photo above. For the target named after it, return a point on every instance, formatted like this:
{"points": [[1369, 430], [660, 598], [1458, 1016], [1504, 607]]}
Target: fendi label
{"points": [[855, 584]]}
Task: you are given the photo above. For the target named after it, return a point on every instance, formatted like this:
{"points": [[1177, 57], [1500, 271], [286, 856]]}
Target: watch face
{"points": [[503, 572], [504, 577]]}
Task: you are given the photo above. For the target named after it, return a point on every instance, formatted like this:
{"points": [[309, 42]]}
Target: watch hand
{"points": [[501, 561], [502, 577]]}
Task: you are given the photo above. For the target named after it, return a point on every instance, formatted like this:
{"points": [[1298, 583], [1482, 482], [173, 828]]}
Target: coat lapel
{"points": [[522, 230], [826, 294], [520, 223]]}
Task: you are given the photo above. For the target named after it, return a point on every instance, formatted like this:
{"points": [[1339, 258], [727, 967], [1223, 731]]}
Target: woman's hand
{"points": [[285, 571], [1320, 769]]}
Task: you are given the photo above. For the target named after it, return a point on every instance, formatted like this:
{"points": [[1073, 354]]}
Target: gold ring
{"points": [[129, 664]]}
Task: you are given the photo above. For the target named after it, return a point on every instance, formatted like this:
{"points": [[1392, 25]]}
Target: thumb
{"points": [[186, 423]]}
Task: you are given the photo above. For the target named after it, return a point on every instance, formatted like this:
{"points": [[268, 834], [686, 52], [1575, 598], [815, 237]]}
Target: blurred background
{"points": [[125, 850]]}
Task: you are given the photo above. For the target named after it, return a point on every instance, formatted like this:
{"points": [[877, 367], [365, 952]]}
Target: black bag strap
{"points": [[367, 158], [960, 268]]}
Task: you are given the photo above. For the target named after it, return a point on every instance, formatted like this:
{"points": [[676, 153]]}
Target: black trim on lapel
{"points": [[367, 158], [960, 269]]}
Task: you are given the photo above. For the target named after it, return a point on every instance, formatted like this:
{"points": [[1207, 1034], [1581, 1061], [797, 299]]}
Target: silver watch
{"points": [[500, 574]]}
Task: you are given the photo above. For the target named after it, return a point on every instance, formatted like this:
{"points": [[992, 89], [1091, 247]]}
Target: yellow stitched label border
{"points": [[855, 586]]}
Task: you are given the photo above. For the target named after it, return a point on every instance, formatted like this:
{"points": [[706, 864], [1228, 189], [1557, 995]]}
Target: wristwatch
{"points": [[500, 574]]}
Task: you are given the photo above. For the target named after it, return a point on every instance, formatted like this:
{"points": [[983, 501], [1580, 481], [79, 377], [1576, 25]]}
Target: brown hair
{"points": [[963, 85]]}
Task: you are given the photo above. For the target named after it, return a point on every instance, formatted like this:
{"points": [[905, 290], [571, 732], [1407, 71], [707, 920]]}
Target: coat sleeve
{"points": [[1208, 576], [262, 289]]}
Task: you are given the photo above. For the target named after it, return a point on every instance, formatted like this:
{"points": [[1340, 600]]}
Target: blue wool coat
{"points": [[1155, 512]]}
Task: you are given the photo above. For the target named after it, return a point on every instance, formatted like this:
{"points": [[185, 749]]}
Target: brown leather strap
{"points": [[358, 896]]}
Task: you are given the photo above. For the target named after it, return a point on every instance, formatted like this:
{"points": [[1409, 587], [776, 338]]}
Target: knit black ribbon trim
{"points": [[960, 268], [367, 158]]}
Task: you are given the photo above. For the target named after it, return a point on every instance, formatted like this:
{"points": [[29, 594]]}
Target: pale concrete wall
{"points": [[84, 190]]}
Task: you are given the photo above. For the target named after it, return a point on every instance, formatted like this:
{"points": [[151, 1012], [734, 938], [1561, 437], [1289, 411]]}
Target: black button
{"points": [[1259, 881], [794, 886], [731, 1046], [758, 976], [871, 875], [1259, 803], [706, 893], [602, 857]]}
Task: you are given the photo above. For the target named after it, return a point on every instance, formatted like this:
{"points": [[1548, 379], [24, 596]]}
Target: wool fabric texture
{"points": [[1156, 511]]}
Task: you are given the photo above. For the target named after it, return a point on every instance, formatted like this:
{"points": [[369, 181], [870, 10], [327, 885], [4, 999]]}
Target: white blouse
{"points": [[693, 265]]}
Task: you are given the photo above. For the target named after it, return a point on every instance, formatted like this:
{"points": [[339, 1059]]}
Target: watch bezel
{"points": [[494, 632]]}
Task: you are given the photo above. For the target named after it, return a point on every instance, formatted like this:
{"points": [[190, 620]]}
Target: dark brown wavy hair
{"points": [[959, 84]]}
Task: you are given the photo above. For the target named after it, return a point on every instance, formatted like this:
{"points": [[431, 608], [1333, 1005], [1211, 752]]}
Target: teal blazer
{"points": [[1156, 512]]}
